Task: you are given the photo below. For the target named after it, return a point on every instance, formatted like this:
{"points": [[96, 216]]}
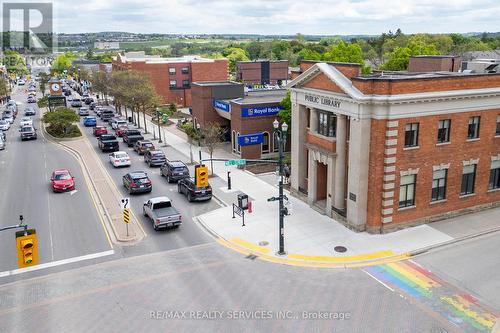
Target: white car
{"points": [[9, 119], [118, 123], [4, 125], [26, 121], [69, 98], [119, 158], [83, 111]]}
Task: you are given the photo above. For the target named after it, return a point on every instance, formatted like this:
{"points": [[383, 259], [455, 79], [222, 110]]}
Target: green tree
{"points": [[61, 122], [286, 113], [62, 62], [14, 62], [101, 82], [343, 52], [4, 87], [235, 54], [44, 79]]}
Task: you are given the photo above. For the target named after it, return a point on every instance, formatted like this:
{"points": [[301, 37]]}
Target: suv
{"points": [[142, 146], [174, 171], [137, 181], [76, 103], [188, 187], [154, 158], [28, 133], [106, 114]]}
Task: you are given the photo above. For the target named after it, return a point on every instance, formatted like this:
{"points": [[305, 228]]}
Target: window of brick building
{"points": [[327, 124], [468, 179], [495, 175], [265, 142], [498, 125], [473, 132], [185, 70], [407, 191], [439, 185], [185, 83], [173, 83], [411, 135], [172, 71], [444, 131]]}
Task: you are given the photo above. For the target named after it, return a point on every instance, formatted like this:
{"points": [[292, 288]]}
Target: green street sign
{"points": [[236, 162]]}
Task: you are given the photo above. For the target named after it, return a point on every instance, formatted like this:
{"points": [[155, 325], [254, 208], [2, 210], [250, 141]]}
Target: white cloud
{"points": [[321, 17]]}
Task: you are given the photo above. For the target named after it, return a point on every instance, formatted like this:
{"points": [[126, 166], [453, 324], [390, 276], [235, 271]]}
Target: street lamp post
{"points": [[280, 138], [158, 114]]}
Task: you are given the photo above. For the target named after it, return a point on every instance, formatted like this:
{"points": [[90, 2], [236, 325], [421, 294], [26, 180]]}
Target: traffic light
{"points": [[201, 175], [27, 248]]}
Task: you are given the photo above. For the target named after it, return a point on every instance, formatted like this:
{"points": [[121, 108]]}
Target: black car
{"points": [[108, 142], [89, 100], [137, 182], [174, 171], [131, 136], [92, 106], [188, 187], [154, 158], [67, 93]]}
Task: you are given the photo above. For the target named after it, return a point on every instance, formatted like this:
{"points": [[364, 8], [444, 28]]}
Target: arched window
{"points": [[238, 150], [234, 141], [265, 143]]}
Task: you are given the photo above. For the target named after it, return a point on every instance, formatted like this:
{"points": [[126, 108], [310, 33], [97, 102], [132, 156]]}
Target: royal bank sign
{"points": [[321, 100]]}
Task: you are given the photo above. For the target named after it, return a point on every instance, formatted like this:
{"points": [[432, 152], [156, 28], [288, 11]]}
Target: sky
{"points": [[320, 17]]}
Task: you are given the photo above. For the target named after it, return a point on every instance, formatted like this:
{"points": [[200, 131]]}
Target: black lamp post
{"points": [[158, 114], [280, 138]]}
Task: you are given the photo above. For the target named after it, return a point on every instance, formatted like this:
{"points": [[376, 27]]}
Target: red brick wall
{"points": [[203, 110], [349, 70], [434, 64], [210, 71], [323, 83], [320, 142]]}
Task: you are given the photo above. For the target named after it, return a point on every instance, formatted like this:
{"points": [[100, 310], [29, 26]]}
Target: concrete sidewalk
{"points": [[310, 237]]}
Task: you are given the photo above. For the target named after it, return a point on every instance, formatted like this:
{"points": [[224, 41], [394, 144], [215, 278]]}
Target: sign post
{"points": [[125, 204]]}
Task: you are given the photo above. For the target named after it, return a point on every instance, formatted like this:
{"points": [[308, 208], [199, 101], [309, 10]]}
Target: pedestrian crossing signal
{"points": [[201, 175], [27, 248]]}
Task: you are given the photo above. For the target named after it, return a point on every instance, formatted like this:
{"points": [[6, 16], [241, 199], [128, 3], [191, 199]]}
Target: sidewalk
{"points": [[310, 237]]}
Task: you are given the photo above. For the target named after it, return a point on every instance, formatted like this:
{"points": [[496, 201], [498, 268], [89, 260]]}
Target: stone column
{"points": [[298, 137], [314, 120], [312, 179], [330, 185], [340, 162]]}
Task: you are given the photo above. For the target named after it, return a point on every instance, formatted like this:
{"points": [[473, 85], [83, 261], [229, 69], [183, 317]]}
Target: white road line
{"points": [[373, 277], [48, 212], [56, 263]]}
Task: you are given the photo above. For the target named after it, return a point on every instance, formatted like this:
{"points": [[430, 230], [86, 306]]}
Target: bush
{"points": [[43, 102], [61, 123]]}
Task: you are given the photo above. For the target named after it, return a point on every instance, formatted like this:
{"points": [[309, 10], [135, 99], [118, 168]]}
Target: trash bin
{"points": [[130, 119], [243, 201]]}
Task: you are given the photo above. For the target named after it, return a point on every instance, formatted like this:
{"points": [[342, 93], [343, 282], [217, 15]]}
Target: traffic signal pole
{"points": [[17, 226]]}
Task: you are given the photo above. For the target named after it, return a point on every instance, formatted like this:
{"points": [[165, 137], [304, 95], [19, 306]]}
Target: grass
{"points": [[74, 132]]}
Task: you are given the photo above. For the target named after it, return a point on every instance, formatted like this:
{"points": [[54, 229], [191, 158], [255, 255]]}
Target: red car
{"points": [[100, 130], [62, 181], [120, 130]]}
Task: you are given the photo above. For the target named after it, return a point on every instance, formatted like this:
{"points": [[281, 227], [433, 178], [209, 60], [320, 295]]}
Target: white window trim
{"points": [[409, 172], [495, 158], [441, 166], [470, 162]]}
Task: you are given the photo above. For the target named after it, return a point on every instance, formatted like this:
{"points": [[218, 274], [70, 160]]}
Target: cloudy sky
{"points": [[320, 17]]}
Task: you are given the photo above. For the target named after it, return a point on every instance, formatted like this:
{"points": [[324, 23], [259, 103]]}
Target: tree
{"points": [[44, 79], [14, 62], [61, 122], [212, 134], [4, 88], [235, 54], [399, 59], [192, 135], [286, 113], [343, 52], [101, 82], [62, 63]]}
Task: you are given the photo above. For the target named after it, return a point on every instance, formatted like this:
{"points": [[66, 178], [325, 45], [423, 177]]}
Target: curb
{"points": [[79, 157]]}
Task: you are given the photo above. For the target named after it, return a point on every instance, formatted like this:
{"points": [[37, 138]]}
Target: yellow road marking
{"points": [[360, 257], [250, 245]]}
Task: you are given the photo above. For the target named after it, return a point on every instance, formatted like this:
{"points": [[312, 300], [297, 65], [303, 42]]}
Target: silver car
{"points": [[2, 144], [83, 111]]}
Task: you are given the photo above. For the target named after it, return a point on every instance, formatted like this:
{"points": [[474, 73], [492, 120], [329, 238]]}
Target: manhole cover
{"points": [[263, 243], [340, 249]]}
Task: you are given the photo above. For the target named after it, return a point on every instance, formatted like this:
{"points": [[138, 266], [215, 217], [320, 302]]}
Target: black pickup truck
{"points": [[130, 137], [108, 142]]}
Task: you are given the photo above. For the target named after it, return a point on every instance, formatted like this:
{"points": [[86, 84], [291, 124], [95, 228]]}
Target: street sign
{"points": [[250, 139], [236, 162], [125, 203], [126, 215]]}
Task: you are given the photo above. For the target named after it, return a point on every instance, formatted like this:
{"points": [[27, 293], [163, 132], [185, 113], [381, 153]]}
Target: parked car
{"points": [[28, 133], [120, 130], [4, 125], [70, 98], [29, 111], [174, 171], [119, 158], [2, 142], [131, 136], [25, 121], [8, 118], [31, 99], [76, 103], [137, 182], [98, 109], [99, 130], [2, 135], [89, 121], [142, 146], [154, 158], [188, 187], [161, 213], [108, 142], [83, 111], [62, 180]]}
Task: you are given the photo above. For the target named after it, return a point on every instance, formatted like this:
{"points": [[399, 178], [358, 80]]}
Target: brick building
{"points": [[434, 63], [382, 152], [172, 77], [247, 116], [262, 72]]}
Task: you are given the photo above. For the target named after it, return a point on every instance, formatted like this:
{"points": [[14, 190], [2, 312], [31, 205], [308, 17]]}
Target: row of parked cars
{"points": [[26, 127]]}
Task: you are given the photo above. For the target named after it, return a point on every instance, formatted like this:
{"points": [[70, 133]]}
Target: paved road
{"points": [[188, 234], [67, 224]]}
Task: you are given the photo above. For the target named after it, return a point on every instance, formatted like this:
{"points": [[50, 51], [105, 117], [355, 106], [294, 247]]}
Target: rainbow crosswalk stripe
{"points": [[456, 306]]}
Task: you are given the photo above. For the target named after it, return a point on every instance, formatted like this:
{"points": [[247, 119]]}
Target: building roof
{"points": [[217, 83], [435, 56], [261, 96], [260, 60], [140, 56]]}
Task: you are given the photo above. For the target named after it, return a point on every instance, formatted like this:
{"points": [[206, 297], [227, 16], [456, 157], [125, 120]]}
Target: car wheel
{"points": [[189, 197], [179, 188], [168, 179], [177, 226], [154, 226], [144, 212]]}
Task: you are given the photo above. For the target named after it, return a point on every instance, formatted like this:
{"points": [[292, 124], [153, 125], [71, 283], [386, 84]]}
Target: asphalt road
{"points": [[188, 234], [67, 224]]}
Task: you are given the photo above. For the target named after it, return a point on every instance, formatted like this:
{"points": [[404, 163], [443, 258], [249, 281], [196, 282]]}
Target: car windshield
{"points": [[122, 155], [26, 129], [148, 144], [62, 176], [158, 155], [179, 169], [141, 180]]}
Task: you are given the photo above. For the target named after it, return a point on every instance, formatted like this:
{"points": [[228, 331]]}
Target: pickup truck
{"points": [[161, 213], [108, 142], [130, 137]]}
